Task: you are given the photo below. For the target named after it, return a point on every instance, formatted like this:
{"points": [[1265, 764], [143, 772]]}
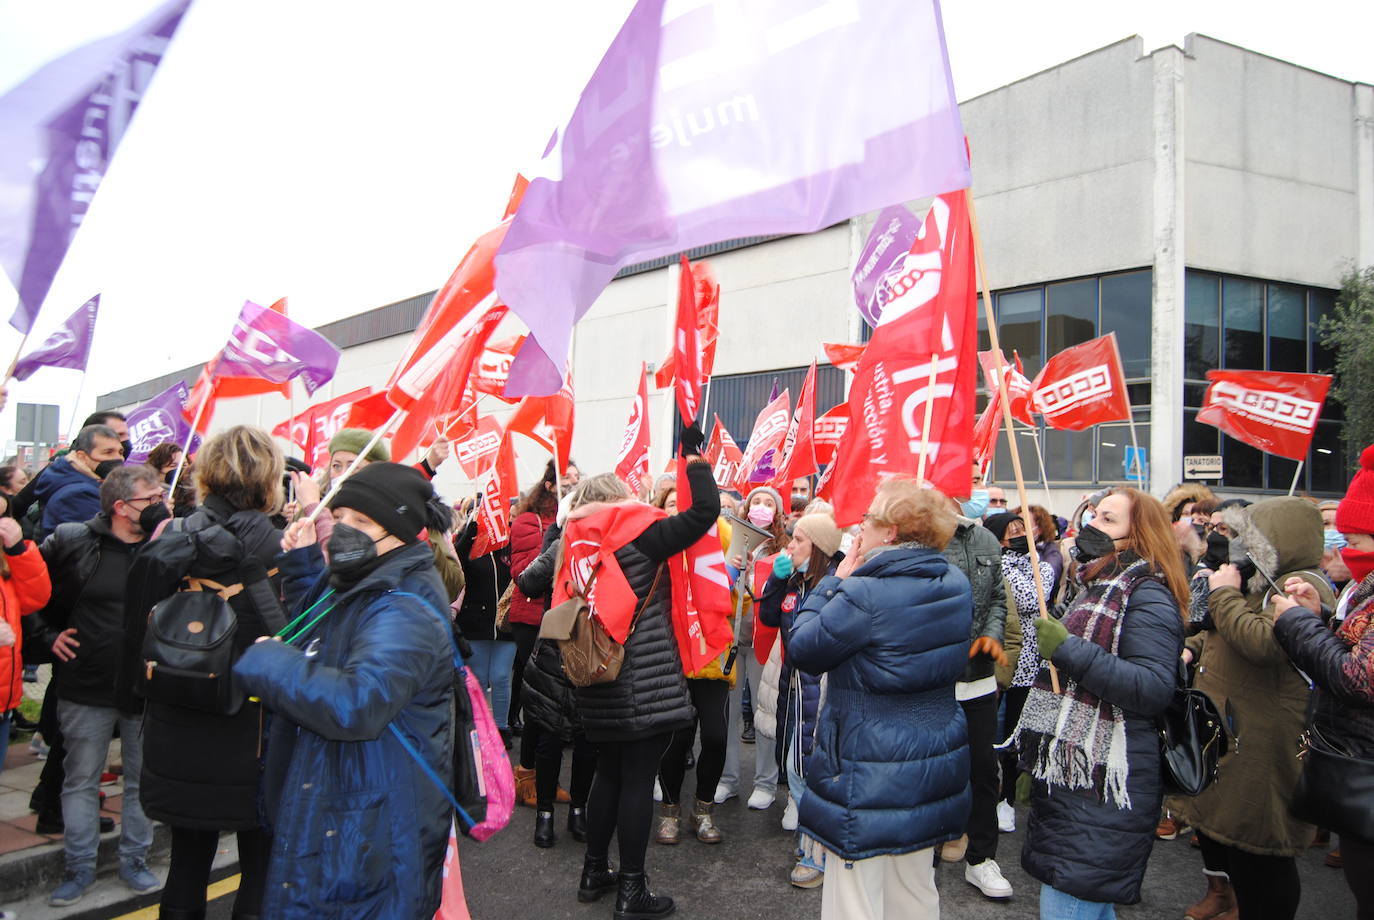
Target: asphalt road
{"points": [[745, 878]]}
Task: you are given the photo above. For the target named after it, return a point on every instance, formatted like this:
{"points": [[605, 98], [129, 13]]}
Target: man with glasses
{"points": [[997, 499], [83, 624]]}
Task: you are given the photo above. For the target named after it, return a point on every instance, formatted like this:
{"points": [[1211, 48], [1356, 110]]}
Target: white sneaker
{"points": [[725, 793], [658, 792], [1006, 818], [789, 815], [987, 878], [761, 800]]}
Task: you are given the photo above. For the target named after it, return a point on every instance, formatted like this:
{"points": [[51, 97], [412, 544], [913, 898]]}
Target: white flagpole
{"points": [[1144, 466], [357, 462], [76, 406], [1296, 475], [1040, 458]]}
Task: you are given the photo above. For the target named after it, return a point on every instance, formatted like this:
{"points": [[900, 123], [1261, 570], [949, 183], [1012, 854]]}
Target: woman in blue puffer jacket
{"points": [[888, 779], [359, 830]]}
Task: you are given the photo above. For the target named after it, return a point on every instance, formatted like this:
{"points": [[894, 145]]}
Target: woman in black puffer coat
{"points": [[200, 770], [631, 720]]}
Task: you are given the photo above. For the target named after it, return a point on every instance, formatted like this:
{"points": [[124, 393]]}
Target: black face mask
{"points": [[106, 467], [1019, 545], [350, 550], [127, 447], [1093, 544], [1200, 530], [1218, 551], [151, 516]]}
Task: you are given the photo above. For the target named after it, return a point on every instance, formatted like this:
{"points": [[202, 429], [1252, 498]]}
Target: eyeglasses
{"points": [[147, 498], [997, 501]]}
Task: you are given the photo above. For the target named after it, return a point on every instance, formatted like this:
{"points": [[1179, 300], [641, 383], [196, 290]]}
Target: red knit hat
{"points": [[1356, 511]]}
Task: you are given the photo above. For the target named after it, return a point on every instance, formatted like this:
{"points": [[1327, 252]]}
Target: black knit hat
{"points": [[999, 522], [391, 494]]}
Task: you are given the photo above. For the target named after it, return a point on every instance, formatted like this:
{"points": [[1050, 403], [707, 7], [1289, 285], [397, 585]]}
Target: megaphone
{"points": [[744, 538]]}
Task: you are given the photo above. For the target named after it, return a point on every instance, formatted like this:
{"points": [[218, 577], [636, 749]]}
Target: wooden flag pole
{"points": [[925, 427], [357, 462], [996, 346], [18, 353], [1135, 445]]}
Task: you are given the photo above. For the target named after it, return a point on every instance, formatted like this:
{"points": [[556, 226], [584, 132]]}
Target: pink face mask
{"points": [[760, 515]]}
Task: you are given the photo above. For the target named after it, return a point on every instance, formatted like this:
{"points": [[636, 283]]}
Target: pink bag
{"points": [[496, 776]]}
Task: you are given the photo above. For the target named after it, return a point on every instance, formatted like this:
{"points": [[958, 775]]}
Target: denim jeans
{"points": [[87, 731], [1056, 905], [809, 853], [4, 738], [765, 762], [492, 662]]}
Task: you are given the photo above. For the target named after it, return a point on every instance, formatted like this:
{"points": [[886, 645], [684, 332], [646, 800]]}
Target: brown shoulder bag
{"points": [[590, 655]]}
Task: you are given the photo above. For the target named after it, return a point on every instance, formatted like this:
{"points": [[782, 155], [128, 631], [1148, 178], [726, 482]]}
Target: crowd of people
{"points": [[910, 680]]}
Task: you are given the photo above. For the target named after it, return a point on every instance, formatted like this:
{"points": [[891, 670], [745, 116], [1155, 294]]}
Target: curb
{"points": [[33, 870]]}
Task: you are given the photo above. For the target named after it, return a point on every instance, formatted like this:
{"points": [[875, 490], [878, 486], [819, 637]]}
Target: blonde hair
{"points": [[603, 487], [920, 515], [243, 466]]}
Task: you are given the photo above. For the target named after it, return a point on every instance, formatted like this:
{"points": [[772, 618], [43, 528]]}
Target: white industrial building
{"points": [[1202, 202]]}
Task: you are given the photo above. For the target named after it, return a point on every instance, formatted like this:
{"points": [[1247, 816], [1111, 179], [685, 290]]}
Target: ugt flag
{"points": [[1272, 410], [68, 346], [880, 261], [270, 345], [705, 122], [158, 420], [61, 128]]}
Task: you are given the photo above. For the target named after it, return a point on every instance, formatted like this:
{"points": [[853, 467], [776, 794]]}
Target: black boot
{"points": [[597, 878], [636, 902], [544, 835], [577, 823], [179, 913]]}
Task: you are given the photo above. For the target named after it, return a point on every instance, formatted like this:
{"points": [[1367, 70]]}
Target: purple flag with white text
{"points": [[706, 122], [885, 253], [68, 346], [61, 127], [266, 344], [158, 420]]}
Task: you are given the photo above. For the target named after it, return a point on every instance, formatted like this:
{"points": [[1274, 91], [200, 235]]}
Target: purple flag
{"points": [[68, 346], [158, 420], [61, 127], [888, 243], [267, 344], [696, 128]]}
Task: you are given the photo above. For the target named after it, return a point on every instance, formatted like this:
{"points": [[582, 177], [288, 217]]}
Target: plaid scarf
{"points": [[1074, 739]]}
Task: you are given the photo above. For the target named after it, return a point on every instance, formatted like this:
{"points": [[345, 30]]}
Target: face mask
{"points": [[1218, 551], [760, 515], [350, 550], [1018, 545], [106, 467], [977, 504], [1086, 518], [151, 516], [1360, 563], [1333, 539], [127, 447], [1093, 543], [804, 565]]}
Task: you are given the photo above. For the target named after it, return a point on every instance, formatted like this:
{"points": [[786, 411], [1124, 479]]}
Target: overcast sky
{"points": [[344, 154]]}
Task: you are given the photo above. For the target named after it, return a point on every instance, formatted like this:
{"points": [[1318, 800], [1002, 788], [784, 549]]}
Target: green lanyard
{"points": [[306, 628]]}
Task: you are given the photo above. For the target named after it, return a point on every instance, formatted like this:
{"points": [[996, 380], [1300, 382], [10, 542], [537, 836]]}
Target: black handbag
{"points": [[1193, 739], [1336, 789]]}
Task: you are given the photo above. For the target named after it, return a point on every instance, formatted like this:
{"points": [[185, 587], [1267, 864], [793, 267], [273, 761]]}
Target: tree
{"points": [[1349, 333]]}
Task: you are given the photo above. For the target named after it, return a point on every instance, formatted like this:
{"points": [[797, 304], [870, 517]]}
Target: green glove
{"points": [[1049, 635]]}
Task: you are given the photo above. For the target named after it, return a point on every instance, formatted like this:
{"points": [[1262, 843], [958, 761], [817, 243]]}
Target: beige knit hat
{"points": [[820, 529]]}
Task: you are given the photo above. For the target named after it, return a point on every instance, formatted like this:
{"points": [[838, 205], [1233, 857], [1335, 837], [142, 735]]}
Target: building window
{"points": [[739, 398]]}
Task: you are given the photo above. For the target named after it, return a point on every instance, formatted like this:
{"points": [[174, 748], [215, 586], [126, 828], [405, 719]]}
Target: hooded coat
{"points": [[889, 773], [1245, 671], [359, 831], [68, 494]]}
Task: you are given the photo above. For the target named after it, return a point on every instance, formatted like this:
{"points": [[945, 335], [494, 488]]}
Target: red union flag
{"points": [[632, 463], [725, 456], [701, 625], [844, 355], [828, 431], [763, 453], [985, 431], [476, 450], [493, 509], [686, 352], [1274, 411], [312, 429], [493, 367], [929, 315], [707, 294], [1018, 387], [1082, 386], [799, 447]]}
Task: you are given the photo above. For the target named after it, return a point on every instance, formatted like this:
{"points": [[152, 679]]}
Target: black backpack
{"points": [[189, 646]]}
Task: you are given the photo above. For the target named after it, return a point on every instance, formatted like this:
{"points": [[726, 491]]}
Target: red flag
{"points": [[632, 463], [828, 431], [230, 387], [985, 432], [493, 367], [441, 394], [453, 903], [1018, 387], [476, 449], [1082, 386], [1272, 410], [312, 429], [707, 294], [798, 449], [686, 353], [763, 453], [705, 615], [844, 355], [548, 421], [493, 510], [370, 413], [725, 456], [932, 314]]}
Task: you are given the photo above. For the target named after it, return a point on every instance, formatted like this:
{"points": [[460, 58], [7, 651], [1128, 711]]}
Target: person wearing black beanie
{"points": [[362, 676]]}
